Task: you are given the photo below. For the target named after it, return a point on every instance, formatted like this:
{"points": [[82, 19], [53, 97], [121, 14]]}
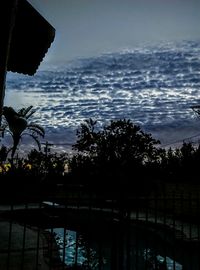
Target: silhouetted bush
{"points": [[31, 176], [181, 164], [116, 155]]}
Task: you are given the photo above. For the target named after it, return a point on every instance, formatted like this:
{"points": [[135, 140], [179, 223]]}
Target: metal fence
{"points": [[86, 231]]}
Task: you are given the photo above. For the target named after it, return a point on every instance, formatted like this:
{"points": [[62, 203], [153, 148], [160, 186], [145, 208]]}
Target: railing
{"points": [[83, 230]]}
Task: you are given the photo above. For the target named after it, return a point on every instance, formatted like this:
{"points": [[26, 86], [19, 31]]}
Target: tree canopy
{"points": [[113, 151]]}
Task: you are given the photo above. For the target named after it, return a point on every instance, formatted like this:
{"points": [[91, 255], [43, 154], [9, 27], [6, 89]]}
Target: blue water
{"points": [[76, 253], [154, 86]]}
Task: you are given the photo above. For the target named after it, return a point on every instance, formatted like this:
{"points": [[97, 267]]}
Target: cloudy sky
{"points": [[90, 27]]}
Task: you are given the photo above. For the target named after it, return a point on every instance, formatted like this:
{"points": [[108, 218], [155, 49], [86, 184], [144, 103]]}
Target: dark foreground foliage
{"points": [[122, 156], [114, 156], [118, 157], [31, 176]]}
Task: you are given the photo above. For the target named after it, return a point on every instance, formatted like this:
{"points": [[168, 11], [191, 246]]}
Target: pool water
{"points": [[75, 249]]}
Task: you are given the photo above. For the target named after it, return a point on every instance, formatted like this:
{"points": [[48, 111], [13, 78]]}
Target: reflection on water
{"points": [[76, 250], [154, 261]]}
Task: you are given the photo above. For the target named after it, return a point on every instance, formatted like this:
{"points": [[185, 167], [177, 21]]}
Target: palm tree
{"points": [[16, 123]]}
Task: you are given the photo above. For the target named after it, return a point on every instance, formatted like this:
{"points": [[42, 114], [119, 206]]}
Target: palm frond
{"points": [[28, 115], [3, 129], [7, 130], [196, 109], [33, 130], [36, 140], [37, 129], [23, 111], [26, 112]]}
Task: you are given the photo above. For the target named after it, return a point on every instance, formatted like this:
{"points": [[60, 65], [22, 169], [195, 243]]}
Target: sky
{"points": [[86, 28]]}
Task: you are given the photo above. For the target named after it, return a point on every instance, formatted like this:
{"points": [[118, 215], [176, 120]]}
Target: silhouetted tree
{"points": [[47, 165], [180, 164], [117, 149], [16, 123]]}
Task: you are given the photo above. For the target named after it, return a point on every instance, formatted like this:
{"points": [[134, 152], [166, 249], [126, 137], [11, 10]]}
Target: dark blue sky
{"points": [[90, 27]]}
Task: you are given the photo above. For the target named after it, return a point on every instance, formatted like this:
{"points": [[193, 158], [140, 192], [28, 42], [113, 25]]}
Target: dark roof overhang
{"points": [[31, 36]]}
